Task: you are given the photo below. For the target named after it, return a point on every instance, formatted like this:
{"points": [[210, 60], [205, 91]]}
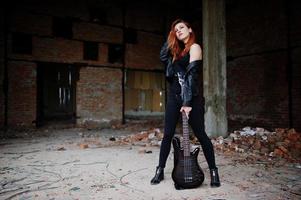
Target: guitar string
{"points": [[186, 138], [187, 160], [188, 170]]}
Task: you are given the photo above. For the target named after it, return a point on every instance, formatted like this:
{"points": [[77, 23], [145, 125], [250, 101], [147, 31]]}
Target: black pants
{"points": [[196, 121]]}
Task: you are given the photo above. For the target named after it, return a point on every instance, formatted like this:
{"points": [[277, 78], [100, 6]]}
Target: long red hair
{"points": [[178, 48]]}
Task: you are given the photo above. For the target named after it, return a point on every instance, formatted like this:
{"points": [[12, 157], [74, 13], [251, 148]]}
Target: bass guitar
{"points": [[187, 172]]}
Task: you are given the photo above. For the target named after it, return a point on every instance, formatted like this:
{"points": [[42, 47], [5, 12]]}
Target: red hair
{"points": [[178, 48]]}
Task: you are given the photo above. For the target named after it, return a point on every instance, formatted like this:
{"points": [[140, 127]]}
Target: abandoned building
{"points": [[96, 62]]}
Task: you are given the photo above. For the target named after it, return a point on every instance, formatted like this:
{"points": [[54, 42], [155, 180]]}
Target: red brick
{"points": [[22, 94], [99, 96]]}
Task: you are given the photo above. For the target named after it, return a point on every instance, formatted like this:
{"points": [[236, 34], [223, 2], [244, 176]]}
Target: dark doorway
{"points": [[56, 93]]}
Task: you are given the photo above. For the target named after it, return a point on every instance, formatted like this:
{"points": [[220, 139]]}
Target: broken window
{"points": [[116, 53], [144, 93], [62, 27], [21, 43], [90, 50]]}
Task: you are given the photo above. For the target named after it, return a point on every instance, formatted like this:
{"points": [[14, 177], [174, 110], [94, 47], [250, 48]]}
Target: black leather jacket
{"points": [[190, 86]]}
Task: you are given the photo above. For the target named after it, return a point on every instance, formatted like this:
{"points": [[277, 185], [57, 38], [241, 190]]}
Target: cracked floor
{"points": [[52, 165]]}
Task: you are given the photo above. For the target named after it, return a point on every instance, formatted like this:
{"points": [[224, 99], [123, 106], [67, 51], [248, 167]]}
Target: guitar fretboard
{"points": [[186, 149], [186, 143]]}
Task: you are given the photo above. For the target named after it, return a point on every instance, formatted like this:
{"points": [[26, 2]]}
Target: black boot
{"points": [[214, 178], [159, 176]]}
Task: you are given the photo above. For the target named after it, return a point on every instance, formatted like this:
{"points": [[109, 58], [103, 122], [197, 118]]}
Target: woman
{"points": [[183, 60]]}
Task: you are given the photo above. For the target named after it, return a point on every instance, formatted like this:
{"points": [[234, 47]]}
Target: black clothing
{"points": [[185, 95], [181, 68], [167, 61], [215, 182], [196, 121], [159, 176]]}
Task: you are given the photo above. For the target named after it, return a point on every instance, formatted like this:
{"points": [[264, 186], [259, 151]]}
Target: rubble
{"points": [[145, 150], [36, 169], [83, 146], [61, 149], [150, 137], [281, 143]]}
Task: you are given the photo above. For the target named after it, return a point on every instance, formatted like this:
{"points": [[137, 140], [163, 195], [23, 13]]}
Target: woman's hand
{"points": [[186, 109]]}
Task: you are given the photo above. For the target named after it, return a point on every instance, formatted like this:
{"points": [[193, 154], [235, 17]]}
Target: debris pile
{"points": [[150, 137], [134, 125], [282, 143]]}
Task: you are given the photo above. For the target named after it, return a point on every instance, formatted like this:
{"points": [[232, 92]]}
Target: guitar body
{"points": [[186, 173]]}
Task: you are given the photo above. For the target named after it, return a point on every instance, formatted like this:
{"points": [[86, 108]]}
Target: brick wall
{"points": [[146, 15], [1, 73], [99, 96], [95, 32], [1, 97], [92, 107], [2, 106], [22, 94], [257, 91], [257, 83], [256, 41], [31, 23], [64, 8], [296, 62], [296, 88], [144, 54]]}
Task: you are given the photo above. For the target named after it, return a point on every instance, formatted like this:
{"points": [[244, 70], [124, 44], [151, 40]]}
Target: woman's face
{"points": [[182, 32]]}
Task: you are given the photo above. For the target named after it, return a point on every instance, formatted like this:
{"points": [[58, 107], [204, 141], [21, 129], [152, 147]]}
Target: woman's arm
{"points": [[164, 53], [165, 58]]}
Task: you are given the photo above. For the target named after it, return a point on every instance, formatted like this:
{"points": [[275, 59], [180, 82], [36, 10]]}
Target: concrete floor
{"points": [[51, 164]]}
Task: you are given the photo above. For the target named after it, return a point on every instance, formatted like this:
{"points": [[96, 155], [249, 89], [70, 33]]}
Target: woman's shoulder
{"points": [[195, 47], [195, 52]]}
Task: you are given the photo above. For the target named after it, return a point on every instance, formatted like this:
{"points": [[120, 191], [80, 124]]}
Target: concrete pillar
{"points": [[214, 63]]}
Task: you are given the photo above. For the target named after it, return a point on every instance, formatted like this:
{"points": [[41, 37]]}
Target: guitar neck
{"points": [[186, 143]]}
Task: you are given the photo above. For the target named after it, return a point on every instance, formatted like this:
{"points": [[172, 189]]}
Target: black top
{"points": [[179, 67]]}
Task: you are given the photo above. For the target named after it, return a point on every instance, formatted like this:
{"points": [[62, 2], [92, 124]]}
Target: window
{"points": [[116, 53], [21, 43], [144, 94], [130, 36], [90, 51], [62, 27]]}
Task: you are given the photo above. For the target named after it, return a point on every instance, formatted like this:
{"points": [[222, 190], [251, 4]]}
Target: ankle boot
{"points": [[159, 176], [214, 178]]}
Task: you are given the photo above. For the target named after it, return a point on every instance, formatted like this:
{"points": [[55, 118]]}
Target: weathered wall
{"points": [[22, 94], [257, 49], [148, 44], [98, 92], [257, 67], [99, 96], [2, 106], [295, 38]]}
